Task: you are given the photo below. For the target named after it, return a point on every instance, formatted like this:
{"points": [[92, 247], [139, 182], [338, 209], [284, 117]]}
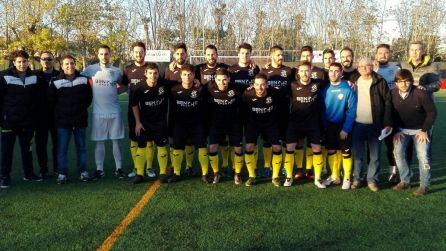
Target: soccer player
{"points": [[187, 99], [328, 58], [70, 94], [18, 102], [243, 72], [350, 73], [225, 122], [149, 106], [415, 114], [373, 114], [262, 103], [134, 75], [304, 121], [339, 103], [45, 122], [279, 76], [107, 119], [306, 54]]}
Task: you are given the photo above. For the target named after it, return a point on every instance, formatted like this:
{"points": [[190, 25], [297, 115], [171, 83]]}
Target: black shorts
{"points": [[131, 123], [269, 132], [332, 139], [153, 132], [219, 131], [296, 132], [189, 134]]}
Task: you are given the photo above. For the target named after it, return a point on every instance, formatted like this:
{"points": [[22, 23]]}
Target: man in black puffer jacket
{"points": [[70, 95], [18, 102]]}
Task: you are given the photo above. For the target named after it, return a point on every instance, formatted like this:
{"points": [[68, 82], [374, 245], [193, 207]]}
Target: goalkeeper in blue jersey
{"points": [[339, 111]]}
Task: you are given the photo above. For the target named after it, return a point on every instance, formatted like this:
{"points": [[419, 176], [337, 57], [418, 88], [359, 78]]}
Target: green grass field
{"points": [[192, 216]]}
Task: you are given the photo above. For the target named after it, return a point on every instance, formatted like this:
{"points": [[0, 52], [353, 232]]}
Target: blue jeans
{"points": [[424, 162], [366, 134], [63, 141]]}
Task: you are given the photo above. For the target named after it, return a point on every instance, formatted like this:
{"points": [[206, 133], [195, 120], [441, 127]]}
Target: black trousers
{"points": [[41, 147], [8, 137]]}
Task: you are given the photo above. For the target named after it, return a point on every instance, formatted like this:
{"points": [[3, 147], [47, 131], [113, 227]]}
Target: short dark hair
{"points": [[383, 46], [222, 71], [275, 48], [45, 51], [212, 47], [18, 54], [139, 44], [245, 46], [336, 64], [187, 67], [261, 76], [180, 46], [328, 51], [304, 63], [65, 57], [104, 46], [152, 66], [417, 42], [404, 74], [346, 48], [306, 48]]}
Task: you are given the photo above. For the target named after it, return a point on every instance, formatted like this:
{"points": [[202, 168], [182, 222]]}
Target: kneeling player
{"points": [[224, 100], [188, 122], [149, 105], [339, 101], [262, 120], [304, 121]]}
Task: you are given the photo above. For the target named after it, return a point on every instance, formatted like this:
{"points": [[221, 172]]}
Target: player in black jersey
{"points": [[262, 103], [187, 114], [350, 73], [149, 106], [133, 77], [243, 72], [280, 77], [224, 122], [304, 120]]}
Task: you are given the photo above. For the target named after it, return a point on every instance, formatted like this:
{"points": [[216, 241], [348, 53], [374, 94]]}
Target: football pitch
{"points": [[190, 215]]}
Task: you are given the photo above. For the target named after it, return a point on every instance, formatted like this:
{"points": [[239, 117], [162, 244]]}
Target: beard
{"points": [[180, 61], [383, 62], [347, 64]]}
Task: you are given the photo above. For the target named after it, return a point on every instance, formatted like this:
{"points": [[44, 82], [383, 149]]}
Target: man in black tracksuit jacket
{"points": [[18, 102]]}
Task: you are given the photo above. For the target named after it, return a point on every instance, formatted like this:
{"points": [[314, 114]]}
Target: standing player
{"points": [[187, 100], [149, 105], [304, 121], [262, 103], [132, 78], [107, 118], [339, 102], [279, 77], [328, 58], [350, 73], [225, 122]]}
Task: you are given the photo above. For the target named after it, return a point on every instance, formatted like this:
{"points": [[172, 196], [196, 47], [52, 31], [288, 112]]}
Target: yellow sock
{"points": [[238, 163], [140, 160], [309, 160], [203, 158], [249, 159], [277, 163], [339, 160], [299, 157], [267, 156], [213, 159], [162, 158], [317, 163], [224, 155], [332, 161], [133, 149], [289, 164], [347, 164], [177, 160], [189, 156], [150, 152], [256, 156]]}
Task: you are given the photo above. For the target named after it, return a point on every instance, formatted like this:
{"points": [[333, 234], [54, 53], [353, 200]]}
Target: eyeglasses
{"points": [[46, 59], [406, 82]]}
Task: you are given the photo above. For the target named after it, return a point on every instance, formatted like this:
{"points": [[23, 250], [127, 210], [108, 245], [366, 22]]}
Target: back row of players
{"points": [[211, 106]]}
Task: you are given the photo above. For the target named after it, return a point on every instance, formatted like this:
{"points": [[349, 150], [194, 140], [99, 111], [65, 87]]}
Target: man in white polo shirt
{"points": [[107, 119]]}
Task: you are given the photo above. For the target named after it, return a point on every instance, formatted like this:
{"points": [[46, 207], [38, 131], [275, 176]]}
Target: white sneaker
{"points": [[288, 182], [61, 179], [150, 173], [85, 176], [346, 185], [132, 174], [318, 184], [328, 181]]}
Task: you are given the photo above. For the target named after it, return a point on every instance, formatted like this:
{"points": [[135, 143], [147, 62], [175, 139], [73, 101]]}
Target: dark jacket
{"points": [[18, 99], [70, 100], [44, 110], [381, 101], [426, 74]]}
